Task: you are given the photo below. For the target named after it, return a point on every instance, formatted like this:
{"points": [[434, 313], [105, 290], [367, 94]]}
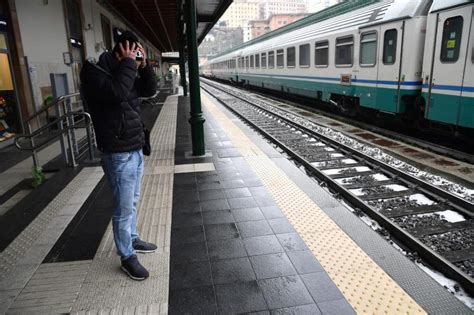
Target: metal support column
{"points": [[196, 120], [182, 55]]}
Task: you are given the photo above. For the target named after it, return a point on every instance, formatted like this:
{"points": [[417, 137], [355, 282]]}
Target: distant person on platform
{"points": [[111, 89]]}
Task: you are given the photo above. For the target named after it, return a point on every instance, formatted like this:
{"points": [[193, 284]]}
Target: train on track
{"points": [[411, 59]]}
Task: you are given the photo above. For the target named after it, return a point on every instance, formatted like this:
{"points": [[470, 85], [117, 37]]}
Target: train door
{"points": [[448, 64], [466, 108], [367, 70], [390, 60]]}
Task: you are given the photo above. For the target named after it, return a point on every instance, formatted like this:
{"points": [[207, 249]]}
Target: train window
{"points": [[251, 61], [451, 42], [321, 54], [271, 59], [344, 51], [390, 47], [368, 49], [280, 58], [290, 57], [257, 61], [264, 60], [304, 55]]}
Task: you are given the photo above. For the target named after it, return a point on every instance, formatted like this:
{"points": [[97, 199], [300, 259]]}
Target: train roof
{"points": [[439, 5], [343, 16]]}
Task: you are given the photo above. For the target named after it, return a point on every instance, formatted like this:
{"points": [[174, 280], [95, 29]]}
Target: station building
{"points": [[43, 44], [240, 227]]}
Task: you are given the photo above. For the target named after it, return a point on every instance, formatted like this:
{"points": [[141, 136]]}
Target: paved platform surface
{"points": [[260, 236], [240, 230]]}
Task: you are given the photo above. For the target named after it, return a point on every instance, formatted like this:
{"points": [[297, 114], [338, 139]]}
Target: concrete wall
{"points": [[43, 34], [93, 28]]}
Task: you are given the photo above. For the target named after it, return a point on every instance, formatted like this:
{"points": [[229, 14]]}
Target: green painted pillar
{"points": [[196, 120], [182, 55]]}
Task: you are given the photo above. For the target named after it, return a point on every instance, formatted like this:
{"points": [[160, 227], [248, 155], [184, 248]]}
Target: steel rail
{"points": [[50, 105], [407, 239], [458, 203], [39, 131], [420, 143]]}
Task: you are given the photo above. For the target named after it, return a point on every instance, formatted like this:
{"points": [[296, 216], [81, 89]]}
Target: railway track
{"points": [[421, 141], [431, 220]]}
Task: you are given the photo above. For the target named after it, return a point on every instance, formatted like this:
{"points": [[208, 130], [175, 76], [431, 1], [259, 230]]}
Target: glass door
{"points": [[76, 42], [9, 122]]}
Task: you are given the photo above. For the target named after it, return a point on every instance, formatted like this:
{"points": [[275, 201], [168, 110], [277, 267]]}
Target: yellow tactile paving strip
{"points": [[362, 282]]}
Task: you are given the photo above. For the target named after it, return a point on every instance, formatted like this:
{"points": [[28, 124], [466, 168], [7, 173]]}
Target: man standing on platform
{"points": [[112, 88]]}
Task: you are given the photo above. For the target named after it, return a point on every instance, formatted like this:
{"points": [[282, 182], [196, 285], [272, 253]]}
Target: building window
{"points": [[451, 42], [368, 49], [247, 62], [321, 53], [257, 61], [344, 51], [251, 61], [264, 60], [290, 57], [106, 32], [9, 119], [74, 19], [390, 47], [280, 58], [271, 59], [304, 55]]}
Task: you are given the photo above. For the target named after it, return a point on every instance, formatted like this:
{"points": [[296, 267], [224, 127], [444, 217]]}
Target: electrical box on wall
{"points": [[67, 58]]}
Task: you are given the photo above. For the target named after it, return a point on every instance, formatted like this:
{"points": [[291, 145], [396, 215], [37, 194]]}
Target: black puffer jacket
{"points": [[111, 90]]}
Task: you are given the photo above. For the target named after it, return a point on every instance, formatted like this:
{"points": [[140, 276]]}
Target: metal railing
{"points": [[66, 122]]}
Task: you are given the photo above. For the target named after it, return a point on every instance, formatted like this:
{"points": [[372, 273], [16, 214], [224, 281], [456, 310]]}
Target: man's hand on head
{"points": [[128, 50], [141, 63]]}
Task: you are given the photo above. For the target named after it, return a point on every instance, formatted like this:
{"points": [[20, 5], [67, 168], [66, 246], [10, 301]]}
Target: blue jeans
{"points": [[124, 172]]}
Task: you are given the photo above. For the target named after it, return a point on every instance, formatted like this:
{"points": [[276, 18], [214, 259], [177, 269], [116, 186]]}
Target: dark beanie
{"points": [[127, 35]]}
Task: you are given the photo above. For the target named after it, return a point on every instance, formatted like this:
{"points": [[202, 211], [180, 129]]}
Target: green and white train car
{"points": [[448, 66], [357, 54]]}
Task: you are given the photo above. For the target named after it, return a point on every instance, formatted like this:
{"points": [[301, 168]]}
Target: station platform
{"points": [[239, 230]]}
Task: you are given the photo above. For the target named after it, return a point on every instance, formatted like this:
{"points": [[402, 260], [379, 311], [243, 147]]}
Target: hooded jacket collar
{"points": [[108, 62]]}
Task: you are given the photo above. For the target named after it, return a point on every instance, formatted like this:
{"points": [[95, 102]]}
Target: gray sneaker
{"points": [[143, 247], [132, 267]]}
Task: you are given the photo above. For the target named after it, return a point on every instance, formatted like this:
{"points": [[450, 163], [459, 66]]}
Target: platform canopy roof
{"points": [[158, 20]]}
